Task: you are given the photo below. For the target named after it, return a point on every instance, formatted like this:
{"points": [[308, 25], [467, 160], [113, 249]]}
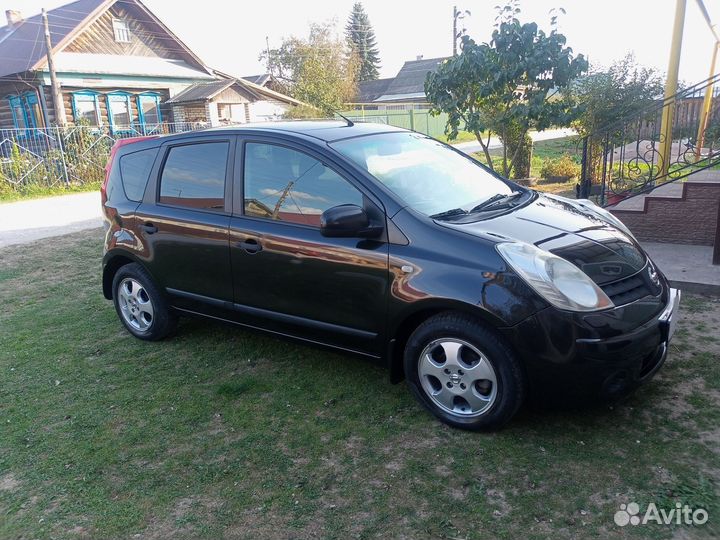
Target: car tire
{"points": [[463, 372], [141, 308]]}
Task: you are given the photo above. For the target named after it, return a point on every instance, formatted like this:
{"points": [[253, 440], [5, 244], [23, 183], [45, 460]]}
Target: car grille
{"points": [[626, 290]]}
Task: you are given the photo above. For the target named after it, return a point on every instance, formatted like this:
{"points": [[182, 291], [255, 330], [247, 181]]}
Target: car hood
{"points": [[568, 230]]}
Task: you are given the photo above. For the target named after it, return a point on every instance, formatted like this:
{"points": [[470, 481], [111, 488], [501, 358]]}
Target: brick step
{"points": [[678, 213], [672, 190]]}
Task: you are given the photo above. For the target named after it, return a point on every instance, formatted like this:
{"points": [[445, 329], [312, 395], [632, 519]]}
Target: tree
{"points": [[621, 91], [361, 40], [609, 100], [515, 83], [320, 70]]}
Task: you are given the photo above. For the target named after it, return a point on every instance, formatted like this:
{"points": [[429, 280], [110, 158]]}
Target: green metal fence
{"points": [[416, 119]]}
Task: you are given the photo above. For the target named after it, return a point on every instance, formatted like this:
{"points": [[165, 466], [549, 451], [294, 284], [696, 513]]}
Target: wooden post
{"points": [[671, 85], [54, 85]]}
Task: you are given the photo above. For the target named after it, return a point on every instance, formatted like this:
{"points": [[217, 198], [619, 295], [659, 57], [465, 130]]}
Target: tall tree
{"points": [[320, 70], [517, 82], [361, 39]]}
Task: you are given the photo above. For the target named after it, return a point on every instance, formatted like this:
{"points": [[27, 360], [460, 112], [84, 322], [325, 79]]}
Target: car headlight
{"points": [[560, 282], [603, 214]]}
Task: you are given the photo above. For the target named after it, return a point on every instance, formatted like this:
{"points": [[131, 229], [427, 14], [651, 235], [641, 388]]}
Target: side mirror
{"points": [[347, 221]]}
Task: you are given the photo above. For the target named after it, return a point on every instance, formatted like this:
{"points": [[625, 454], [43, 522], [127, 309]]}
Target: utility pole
{"points": [[455, 18], [267, 47], [58, 104]]}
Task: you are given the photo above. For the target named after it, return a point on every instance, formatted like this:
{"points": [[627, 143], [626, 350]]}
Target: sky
{"points": [[230, 36]]}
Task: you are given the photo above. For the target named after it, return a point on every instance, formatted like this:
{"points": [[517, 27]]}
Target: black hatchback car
{"points": [[391, 245]]}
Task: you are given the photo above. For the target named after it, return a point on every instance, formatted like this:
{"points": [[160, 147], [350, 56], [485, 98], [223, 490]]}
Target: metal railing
{"points": [[73, 155], [630, 157]]}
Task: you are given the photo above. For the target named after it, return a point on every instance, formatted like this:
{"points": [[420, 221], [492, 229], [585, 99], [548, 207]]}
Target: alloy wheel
{"points": [[135, 305], [457, 377]]}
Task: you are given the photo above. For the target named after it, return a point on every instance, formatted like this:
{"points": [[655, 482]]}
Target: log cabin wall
{"points": [[165, 110]]}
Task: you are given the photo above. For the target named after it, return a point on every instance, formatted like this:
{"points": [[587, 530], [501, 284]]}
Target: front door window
{"points": [[287, 185]]}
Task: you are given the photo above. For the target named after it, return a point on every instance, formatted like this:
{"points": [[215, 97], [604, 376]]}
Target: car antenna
{"points": [[350, 123]]}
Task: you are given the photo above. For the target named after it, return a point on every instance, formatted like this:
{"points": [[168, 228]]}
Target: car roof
{"points": [[324, 130]]}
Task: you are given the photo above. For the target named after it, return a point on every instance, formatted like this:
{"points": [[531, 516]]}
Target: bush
{"points": [[564, 166]]}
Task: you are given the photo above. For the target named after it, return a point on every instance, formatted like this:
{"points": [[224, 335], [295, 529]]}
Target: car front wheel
{"points": [[139, 304], [463, 372]]}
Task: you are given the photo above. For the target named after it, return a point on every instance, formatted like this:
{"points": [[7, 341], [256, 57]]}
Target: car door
{"points": [[331, 290], [184, 219]]}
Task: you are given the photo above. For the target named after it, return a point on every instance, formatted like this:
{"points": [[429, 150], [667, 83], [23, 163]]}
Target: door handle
{"points": [[251, 246], [149, 228]]}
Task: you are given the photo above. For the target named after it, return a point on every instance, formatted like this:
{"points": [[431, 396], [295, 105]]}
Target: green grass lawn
{"points": [[220, 433], [34, 191]]}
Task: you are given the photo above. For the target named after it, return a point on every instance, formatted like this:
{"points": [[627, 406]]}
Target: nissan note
{"points": [[385, 243]]}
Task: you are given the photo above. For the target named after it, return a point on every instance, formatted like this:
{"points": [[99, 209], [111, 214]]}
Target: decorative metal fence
{"points": [[71, 156], [633, 156]]}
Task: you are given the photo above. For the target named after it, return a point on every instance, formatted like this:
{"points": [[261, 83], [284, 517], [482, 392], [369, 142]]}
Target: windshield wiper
{"points": [[449, 213], [496, 201]]}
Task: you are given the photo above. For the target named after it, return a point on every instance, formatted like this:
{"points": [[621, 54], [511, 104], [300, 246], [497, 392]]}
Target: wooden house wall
{"points": [[230, 95], [146, 39], [103, 105]]}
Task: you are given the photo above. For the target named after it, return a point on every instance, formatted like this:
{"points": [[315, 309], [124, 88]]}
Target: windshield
{"points": [[427, 175]]}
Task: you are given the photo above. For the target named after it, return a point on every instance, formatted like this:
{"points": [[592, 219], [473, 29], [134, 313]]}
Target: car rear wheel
{"points": [[139, 304], [463, 372]]}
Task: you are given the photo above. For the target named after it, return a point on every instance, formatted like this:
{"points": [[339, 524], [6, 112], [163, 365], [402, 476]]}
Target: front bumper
{"points": [[604, 354]]}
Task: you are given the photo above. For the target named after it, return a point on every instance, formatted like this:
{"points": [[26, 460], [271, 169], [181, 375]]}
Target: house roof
{"points": [[411, 77], [208, 90], [260, 80], [408, 84], [22, 46], [371, 90], [262, 90], [66, 62]]}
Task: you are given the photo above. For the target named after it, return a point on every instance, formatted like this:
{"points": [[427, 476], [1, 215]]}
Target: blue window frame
{"points": [[149, 114], [26, 112], [120, 112], [86, 107]]}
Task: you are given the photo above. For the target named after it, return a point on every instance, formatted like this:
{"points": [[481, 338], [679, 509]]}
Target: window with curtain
{"points": [[18, 112], [149, 110], [26, 111], [119, 111], [86, 108]]}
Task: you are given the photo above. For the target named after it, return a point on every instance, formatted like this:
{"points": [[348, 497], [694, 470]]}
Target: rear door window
{"points": [[135, 171], [194, 176]]}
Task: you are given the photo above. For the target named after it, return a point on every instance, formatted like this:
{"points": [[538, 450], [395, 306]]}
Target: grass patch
{"points": [[462, 136], [218, 432], [35, 191]]}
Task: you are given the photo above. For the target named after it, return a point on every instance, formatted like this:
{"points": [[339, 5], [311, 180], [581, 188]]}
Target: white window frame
{"points": [[121, 31]]}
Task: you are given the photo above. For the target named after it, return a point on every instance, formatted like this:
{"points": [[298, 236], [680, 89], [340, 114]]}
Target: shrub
{"points": [[564, 166]]}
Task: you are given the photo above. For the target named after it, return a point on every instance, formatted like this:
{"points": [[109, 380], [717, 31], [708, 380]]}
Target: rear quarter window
{"points": [[135, 171]]}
